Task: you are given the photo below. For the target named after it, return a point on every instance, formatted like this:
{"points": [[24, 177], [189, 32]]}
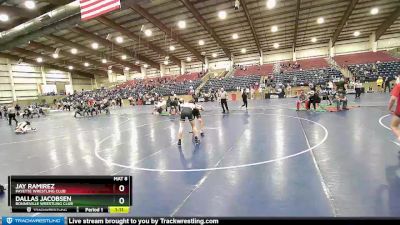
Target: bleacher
{"points": [[305, 71], [232, 83], [218, 73], [304, 77], [181, 85], [371, 71], [262, 70], [364, 58], [188, 76], [177, 88], [316, 63]]}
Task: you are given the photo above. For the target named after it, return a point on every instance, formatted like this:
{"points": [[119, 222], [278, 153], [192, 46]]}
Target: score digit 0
{"points": [[121, 201], [121, 188]]}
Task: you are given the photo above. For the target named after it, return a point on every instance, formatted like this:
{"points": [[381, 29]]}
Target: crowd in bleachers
{"points": [[289, 65], [180, 88], [371, 71], [232, 83], [137, 91], [303, 77]]}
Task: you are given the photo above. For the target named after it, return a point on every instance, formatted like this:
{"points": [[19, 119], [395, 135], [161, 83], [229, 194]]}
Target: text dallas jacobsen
{"points": [[43, 200]]}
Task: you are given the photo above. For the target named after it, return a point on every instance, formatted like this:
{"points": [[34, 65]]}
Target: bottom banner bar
{"points": [[10, 220], [220, 221]]}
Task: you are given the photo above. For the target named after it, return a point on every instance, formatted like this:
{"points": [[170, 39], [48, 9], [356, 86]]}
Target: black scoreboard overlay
{"points": [[87, 194]]}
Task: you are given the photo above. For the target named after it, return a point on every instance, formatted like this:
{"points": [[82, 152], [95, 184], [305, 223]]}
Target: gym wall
{"points": [[22, 81]]}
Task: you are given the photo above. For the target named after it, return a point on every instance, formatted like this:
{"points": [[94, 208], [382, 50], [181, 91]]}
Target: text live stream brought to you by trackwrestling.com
{"points": [[15, 220], [105, 220]]}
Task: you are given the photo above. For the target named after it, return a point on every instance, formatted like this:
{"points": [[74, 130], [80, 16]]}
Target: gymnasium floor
{"points": [[271, 161]]}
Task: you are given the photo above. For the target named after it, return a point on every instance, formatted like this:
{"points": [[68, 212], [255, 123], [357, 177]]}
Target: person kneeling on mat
{"points": [[79, 110], [24, 127], [159, 106], [302, 100], [27, 113], [187, 112], [341, 98]]}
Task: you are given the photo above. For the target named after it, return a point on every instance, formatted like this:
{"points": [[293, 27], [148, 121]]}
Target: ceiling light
{"points": [[271, 4], [104, 60], [4, 17], [148, 32], [201, 42], [166, 62], [123, 57], [188, 59], [30, 4], [172, 48], [119, 39], [276, 45], [126, 68], [222, 15], [86, 64], [313, 39], [274, 28], [243, 50], [235, 36], [95, 45], [39, 59], [357, 33], [320, 20], [137, 62], [374, 11], [214, 55], [145, 66], [74, 51], [182, 24], [55, 55], [70, 67]]}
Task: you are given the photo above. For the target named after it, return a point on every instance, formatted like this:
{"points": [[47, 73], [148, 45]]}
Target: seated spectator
{"points": [[302, 99], [314, 99]]}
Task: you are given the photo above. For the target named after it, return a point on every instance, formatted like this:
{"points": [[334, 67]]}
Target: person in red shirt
{"points": [[396, 113]]}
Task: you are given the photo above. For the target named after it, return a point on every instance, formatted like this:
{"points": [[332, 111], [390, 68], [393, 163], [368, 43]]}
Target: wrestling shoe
{"points": [[196, 140], [179, 142]]}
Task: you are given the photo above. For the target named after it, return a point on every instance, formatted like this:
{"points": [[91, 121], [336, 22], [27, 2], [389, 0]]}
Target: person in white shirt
{"points": [[289, 90], [223, 95], [11, 115], [330, 85], [358, 87]]}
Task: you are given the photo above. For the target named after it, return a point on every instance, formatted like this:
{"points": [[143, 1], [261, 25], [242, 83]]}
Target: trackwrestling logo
{"points": [[33, 220]]}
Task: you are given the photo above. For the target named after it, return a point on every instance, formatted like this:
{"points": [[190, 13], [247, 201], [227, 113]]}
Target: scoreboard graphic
{"points": [[76, 194]]}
